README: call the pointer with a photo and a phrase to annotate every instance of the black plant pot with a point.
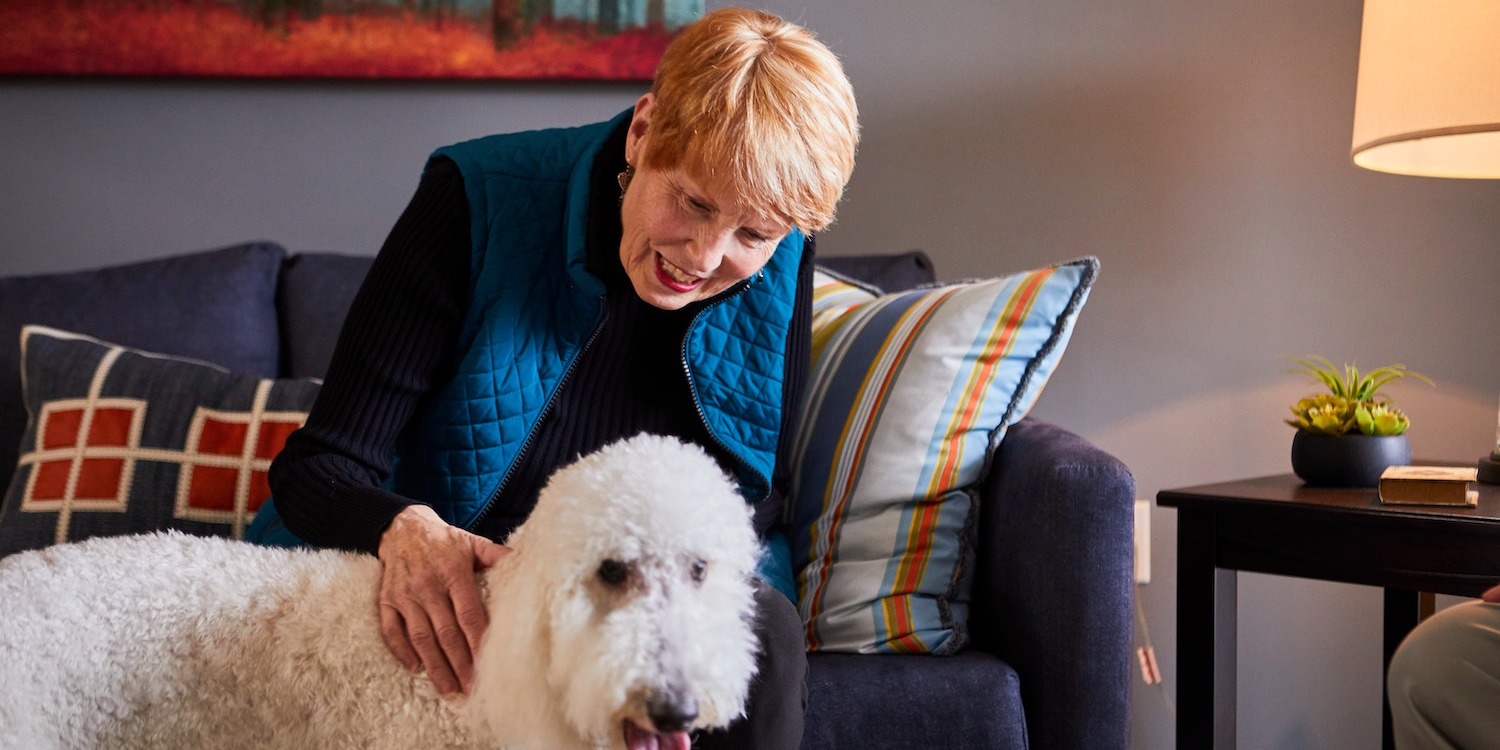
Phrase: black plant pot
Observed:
(1347, 460)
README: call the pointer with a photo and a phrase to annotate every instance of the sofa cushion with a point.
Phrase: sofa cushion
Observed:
(216, 305)
(891, 272)
(894, 702)
(122, 441)
(910, 394)
(315, 294)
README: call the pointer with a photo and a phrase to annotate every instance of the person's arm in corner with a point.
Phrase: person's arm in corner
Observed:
(769, 512)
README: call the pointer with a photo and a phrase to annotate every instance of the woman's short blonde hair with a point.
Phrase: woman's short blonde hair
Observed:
(748, 93)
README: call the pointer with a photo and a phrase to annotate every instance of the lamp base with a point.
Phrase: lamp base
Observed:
(1489, 468)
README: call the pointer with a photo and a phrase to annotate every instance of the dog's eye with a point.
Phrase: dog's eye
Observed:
(699, 570)
(612, 572)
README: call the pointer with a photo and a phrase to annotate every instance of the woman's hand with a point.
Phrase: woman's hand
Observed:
(431, 613)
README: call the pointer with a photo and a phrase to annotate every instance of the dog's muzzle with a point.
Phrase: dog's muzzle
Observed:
(637, 738)
(671, 713)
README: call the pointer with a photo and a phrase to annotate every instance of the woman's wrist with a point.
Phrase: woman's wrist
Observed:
(411, 520)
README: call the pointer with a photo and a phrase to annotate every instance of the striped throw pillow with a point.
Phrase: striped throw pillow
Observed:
(909, 396)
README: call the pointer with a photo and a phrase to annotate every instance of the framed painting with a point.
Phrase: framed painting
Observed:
(350, 39)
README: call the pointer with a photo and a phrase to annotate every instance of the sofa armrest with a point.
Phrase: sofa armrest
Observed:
(1054, 580)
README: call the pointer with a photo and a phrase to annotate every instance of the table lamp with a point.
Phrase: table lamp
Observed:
(1428, 100)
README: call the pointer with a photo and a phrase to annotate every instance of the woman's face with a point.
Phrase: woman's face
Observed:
(686, 237)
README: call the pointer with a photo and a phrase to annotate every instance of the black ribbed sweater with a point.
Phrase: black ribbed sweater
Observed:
(398, 345)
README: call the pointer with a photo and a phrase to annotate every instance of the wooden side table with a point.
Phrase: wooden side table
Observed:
(1280, 526)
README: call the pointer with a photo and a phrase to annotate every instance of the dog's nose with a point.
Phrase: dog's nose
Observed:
(671, 713)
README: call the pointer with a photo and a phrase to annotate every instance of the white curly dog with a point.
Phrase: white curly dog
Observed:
(622, 620)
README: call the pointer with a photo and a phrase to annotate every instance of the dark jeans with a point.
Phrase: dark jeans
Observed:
(778, 694)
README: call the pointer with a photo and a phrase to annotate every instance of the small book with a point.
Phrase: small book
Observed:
(1428, 485)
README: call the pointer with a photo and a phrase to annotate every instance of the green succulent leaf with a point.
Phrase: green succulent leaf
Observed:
(1323, 413)
(1380, 419)
(1352, 401)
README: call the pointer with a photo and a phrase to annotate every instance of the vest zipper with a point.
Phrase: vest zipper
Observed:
(531, 436)
(693, 391)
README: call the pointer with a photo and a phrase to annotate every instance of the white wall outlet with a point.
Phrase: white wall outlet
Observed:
(1142, 540)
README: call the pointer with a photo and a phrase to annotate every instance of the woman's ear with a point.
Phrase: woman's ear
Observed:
(640, 123)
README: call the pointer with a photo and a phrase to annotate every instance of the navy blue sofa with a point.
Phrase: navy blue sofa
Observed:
(1050, 615)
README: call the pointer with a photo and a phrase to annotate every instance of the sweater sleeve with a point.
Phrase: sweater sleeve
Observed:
(769, 512)
(396, 346)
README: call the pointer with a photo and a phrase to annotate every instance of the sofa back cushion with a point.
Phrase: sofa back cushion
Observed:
(218, 306)
(892, 272)
(316, 291)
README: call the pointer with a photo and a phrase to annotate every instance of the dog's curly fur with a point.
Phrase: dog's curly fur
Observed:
(627, 597)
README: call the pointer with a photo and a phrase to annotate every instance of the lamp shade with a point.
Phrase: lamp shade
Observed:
(1428, 99)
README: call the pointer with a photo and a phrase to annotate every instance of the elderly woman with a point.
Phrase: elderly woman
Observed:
(547, 293)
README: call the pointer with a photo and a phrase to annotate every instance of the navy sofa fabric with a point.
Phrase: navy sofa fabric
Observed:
(315, 293)
(217, 306)
(1051, 606)
(969, 700)
(894, 272)
(1054, 583)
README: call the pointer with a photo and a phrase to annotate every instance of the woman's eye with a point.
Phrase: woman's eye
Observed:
(693, 205)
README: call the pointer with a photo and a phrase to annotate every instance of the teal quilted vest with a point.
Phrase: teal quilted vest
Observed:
(533, 309)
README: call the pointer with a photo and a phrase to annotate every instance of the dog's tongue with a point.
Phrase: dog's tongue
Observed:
(637, 738)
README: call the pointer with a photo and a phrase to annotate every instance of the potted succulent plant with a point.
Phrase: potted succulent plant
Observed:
(1348, 436)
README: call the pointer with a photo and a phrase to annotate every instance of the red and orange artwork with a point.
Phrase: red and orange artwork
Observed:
(385, 39)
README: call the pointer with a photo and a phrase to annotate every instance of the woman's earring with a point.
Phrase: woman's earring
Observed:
(624, 179)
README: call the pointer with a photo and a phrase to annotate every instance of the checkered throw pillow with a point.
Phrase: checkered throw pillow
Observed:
(121, 441)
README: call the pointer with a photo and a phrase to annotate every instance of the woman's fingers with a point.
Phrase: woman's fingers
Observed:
(1492, 596)
(487, 552)
(468, 604)
(407, 614)
(470, 620)
(393, 632)
(440, 644)
(430, 608)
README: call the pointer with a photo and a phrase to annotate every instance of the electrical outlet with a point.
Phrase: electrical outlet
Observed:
(1142, 540)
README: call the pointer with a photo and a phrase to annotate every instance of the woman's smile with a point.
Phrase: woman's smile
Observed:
(674, 277)
(686, 240)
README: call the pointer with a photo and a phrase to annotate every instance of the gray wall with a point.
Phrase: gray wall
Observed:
(1200, 149)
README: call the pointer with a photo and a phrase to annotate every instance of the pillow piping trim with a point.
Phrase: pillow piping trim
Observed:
(1066, 319)
(863, 286)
